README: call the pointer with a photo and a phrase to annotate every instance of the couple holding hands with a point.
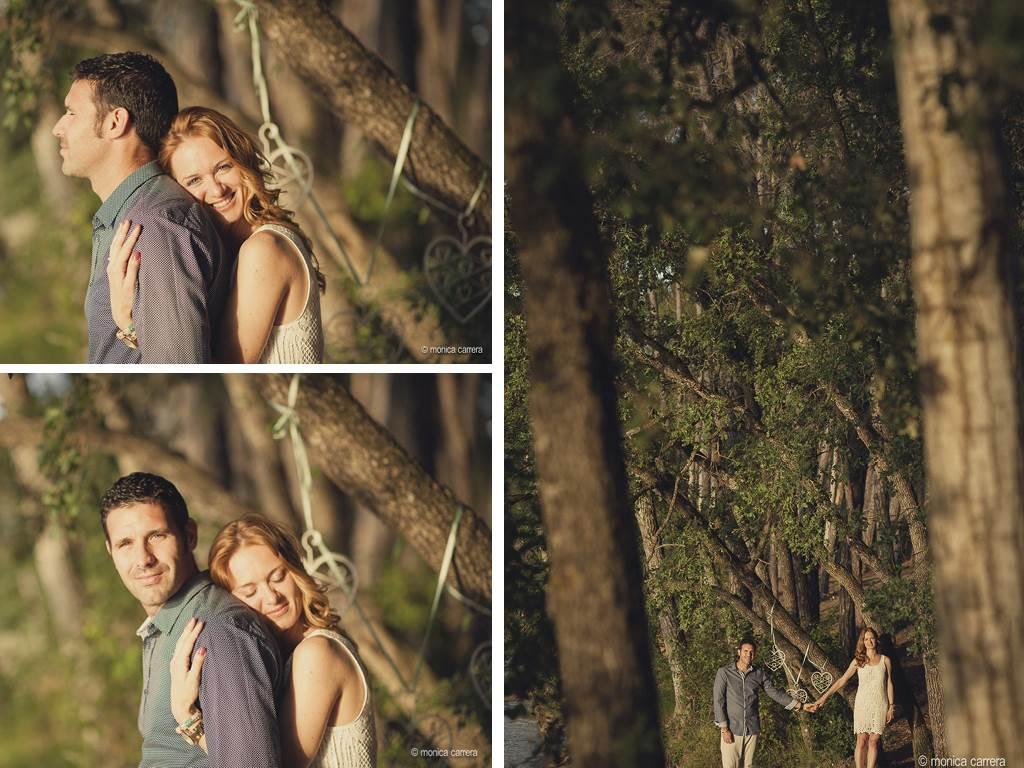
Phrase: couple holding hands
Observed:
(736, 698)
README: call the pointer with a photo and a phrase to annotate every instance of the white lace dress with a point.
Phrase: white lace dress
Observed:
(872, 702)
(301, 340)
(353, 745)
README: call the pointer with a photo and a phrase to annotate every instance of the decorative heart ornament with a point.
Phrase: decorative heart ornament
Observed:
(821, 681)
(459, 273)
(798, 693)
(480, 672)
(775, 660)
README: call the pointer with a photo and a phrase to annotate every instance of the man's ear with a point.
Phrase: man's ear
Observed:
(117, 123)
(191, 534)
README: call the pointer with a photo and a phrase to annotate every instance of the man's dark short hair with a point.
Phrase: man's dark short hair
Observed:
(144, 488)
(137, 82)
(746, 641)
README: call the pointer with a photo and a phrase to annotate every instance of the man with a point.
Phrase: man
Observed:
(736, 698)
(151, 538)
(118, 109)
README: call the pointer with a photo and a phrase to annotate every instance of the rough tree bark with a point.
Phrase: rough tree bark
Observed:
(360, 88)
(603, 649)
(968, 353)
(808, 594)
(786, 582)
(365, 462)
(670, 636)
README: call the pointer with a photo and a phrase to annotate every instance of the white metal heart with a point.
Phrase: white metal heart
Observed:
(821, 681)
(775, 660)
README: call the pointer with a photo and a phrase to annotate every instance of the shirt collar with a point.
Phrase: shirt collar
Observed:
(112, 206)
(146, 628)
(168, 614)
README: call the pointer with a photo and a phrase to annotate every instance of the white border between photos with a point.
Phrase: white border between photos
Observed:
(498, 383)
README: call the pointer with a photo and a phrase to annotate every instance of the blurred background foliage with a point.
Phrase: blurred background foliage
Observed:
(70, 664)
(440, 49)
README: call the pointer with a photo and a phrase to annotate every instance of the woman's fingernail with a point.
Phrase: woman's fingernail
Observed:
(202, 652)
(138, 256)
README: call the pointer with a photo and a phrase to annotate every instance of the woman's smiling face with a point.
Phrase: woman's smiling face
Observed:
(260, 578)
(210, 175)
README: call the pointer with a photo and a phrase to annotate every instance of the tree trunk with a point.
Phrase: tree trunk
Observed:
(440, 23)
(263, 466)
(365, 462)
(359, 87)
(363, 19)
(371, 539)
(189, 423)
(456, 395)
(670, 637)
(968, 353)
(786, 583)
(807, 595)
(603, 647)
(189, 28)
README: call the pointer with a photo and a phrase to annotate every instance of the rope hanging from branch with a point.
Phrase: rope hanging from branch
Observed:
(339, 573)
(298, 163)
(778, 659)
(458, 271)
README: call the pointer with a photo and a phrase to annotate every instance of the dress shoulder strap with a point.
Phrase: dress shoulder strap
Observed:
(349, 647)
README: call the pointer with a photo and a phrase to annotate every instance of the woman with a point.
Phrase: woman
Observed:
(273, 310)
(873, 707)
(326, 719)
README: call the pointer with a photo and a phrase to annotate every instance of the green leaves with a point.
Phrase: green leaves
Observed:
(61, 460)
(20, 50)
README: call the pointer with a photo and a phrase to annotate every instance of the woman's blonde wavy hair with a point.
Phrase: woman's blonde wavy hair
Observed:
(254, 529)
(860, 652)
(259, 199)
